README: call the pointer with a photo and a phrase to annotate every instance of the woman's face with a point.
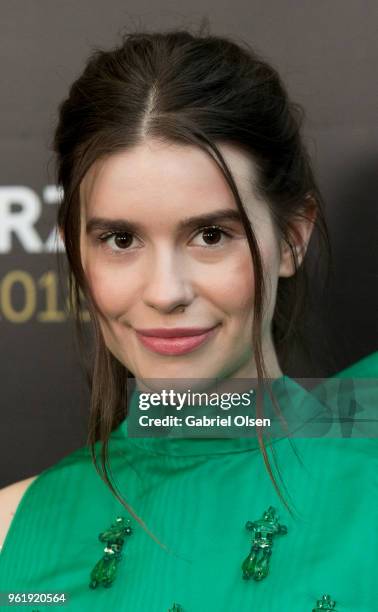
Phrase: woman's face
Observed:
(153, 261)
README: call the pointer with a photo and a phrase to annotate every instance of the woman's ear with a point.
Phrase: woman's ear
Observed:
(300, 233)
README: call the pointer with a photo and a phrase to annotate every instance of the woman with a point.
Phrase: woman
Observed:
(189, 203)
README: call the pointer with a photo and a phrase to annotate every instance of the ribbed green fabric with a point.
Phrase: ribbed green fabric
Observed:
(196, 496)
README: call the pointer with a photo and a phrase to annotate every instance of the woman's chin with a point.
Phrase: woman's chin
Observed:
(176, 378)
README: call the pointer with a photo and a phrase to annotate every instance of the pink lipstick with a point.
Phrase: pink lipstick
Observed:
(174, 341)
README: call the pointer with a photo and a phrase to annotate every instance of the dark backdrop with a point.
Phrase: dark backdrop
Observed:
(326, 52)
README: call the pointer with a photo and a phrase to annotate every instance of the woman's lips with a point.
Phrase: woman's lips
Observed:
(175, 345)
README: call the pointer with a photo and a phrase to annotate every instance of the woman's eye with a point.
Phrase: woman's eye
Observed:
(212, 235)
(121, 241)
(117, 241)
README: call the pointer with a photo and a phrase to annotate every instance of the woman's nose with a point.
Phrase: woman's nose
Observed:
(168, 284)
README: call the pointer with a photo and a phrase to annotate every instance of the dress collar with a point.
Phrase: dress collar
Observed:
(289, 395)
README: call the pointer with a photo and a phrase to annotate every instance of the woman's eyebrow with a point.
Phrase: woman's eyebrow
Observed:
(122, 225)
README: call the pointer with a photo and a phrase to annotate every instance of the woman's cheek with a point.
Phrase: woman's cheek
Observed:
(236, 285)
(110, 289)
(236, 282)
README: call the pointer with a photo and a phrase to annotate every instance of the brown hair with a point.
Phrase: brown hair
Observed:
(198, 89)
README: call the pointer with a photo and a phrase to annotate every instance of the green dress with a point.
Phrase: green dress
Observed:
(197, 496)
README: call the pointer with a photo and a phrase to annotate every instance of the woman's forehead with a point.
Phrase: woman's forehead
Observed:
(180, 176)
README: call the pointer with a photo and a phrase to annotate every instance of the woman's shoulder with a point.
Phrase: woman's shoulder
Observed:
(366, 367)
